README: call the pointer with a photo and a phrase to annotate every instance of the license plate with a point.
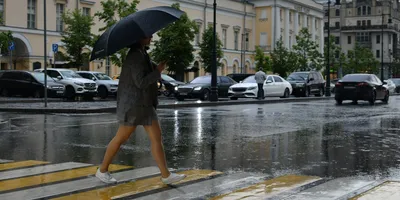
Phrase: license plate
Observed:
(349, 87)
(60, 92)
(183, 93)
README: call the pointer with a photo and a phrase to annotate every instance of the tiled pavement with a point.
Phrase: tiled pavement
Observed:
(31, 179)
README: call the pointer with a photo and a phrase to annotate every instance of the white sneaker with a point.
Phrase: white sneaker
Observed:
(173, 178)
(105, 177)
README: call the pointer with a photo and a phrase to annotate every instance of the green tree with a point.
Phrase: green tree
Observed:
(206, 49)
(5, 38)
(76, 36)
(174, 45)
(334, 54)
(307, 50)
(112, 12)
(264, 62)
(283, 60)
(361, 60)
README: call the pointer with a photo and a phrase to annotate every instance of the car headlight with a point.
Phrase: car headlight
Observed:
(113, 85)
(176, 88)
(251, 88)
(299, 84)
(197, 88)
(77, 83)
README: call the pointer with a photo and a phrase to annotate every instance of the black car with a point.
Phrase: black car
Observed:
(24, 83)
(200, 88)
(307, 83)
(238, 77)
(367, 87)
(169, 84)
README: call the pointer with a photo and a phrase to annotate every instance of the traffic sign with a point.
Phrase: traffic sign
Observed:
(11, 46)
(55, 48)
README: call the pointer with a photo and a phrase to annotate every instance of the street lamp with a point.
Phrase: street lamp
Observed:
(214, 88)
(328, 69)
(45, 52)
(389, 22)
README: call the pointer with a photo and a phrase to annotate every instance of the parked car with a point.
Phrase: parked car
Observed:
(24, 83)
(169, 84)
(74, 83)
(105, 85)
(391, 86)
(307, 83)
(366, 87)
(396, 81)
(238, 77)
(274, 86)
(200, 87)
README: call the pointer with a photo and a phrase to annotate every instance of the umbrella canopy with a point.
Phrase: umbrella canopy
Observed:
(132, 28)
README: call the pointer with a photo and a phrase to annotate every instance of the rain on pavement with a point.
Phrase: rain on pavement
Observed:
(316, 138)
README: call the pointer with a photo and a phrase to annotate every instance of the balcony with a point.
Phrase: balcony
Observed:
(369, 27)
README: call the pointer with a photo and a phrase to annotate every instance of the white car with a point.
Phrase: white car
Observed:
(391, 86)
(274, 86)
(74, 83)
(105, 85)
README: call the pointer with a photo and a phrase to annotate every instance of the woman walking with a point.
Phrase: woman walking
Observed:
(136, 105)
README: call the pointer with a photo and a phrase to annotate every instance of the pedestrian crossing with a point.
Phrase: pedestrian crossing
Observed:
(34, 179)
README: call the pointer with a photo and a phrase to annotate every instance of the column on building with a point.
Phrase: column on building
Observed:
(313, 28)
(287, 27)
(278, 24)
(296, 24)
(321, 35)
(304, 20)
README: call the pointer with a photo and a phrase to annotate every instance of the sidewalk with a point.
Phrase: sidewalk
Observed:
(109, 106)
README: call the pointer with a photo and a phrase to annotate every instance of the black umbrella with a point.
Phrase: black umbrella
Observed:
(132, 28)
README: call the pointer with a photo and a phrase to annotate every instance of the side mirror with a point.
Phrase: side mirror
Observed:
(59, 77)
(311, 79)
(269, 81)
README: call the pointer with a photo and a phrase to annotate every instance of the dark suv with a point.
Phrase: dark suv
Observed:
(306, 83)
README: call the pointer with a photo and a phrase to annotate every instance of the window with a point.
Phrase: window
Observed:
(363, 23)
(236, 35)
(2, 11)
(86, 11)
(326, 13)
(263, 39)
(337, 54)
(337, 24)
(378, 53)
(31, 14)
(197, 38)
(224, 38)
(225, 79)
(263, 14)
(359, 11)
(358, 23)
(369, 10)
(59, 12)
(277, 79)
(247, 41)
(349, 39)
(281, 14)
(53, 73)
(326, 25)
(378, 39)
(337, 40)
(270, 79)
(364, 10)
(337, 12)
(290, 17)
(369, 22)
(363, 37)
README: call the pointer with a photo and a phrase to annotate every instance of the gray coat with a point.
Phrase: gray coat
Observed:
(137, 90)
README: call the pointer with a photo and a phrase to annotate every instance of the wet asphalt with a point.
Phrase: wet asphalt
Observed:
(312, 138)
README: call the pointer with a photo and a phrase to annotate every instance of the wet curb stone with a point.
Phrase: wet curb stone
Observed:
(163, 106)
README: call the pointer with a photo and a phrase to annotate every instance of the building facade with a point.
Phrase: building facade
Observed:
(371, 24)
(241, 25)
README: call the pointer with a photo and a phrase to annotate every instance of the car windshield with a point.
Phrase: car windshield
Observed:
(250, 79)
(40, 77)
(297, 77)
(70, 74)
(167, 78)
(395, 81)
(357, 77)
(101, 76)
(202, 79)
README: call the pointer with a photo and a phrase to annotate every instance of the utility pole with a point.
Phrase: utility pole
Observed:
(214, 87)
(45, 52)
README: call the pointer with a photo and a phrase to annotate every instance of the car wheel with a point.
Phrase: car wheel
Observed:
(286, 94)
(180, 98)
(339, 101)
(5, 93)
(103, 93)
(70, 93)
(206, 95)
(372, 98)
(234, 98)
(386, 99)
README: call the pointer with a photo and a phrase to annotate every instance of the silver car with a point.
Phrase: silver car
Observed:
(106, 85)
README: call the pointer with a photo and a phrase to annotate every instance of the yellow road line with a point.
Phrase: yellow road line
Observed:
(387, 190)
(53, 177)
(269, 187)
(135, 187)
(26, 163)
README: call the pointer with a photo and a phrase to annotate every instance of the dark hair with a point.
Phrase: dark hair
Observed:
(135, 45)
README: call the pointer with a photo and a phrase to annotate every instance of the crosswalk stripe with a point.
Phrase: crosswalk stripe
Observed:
(65, 188)
(269, 188)
(27, 163)
(136, 187)
(4, 161)
(18, 173)
(206, 188)
(38, 180)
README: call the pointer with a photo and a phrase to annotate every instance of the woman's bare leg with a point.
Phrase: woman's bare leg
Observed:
(157, 149)
(123, 134)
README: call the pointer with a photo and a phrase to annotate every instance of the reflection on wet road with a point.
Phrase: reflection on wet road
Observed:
(316, 138)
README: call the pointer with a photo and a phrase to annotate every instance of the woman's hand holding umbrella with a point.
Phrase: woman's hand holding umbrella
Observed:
(161, 66)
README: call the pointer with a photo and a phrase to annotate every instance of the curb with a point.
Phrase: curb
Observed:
(165, 106)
